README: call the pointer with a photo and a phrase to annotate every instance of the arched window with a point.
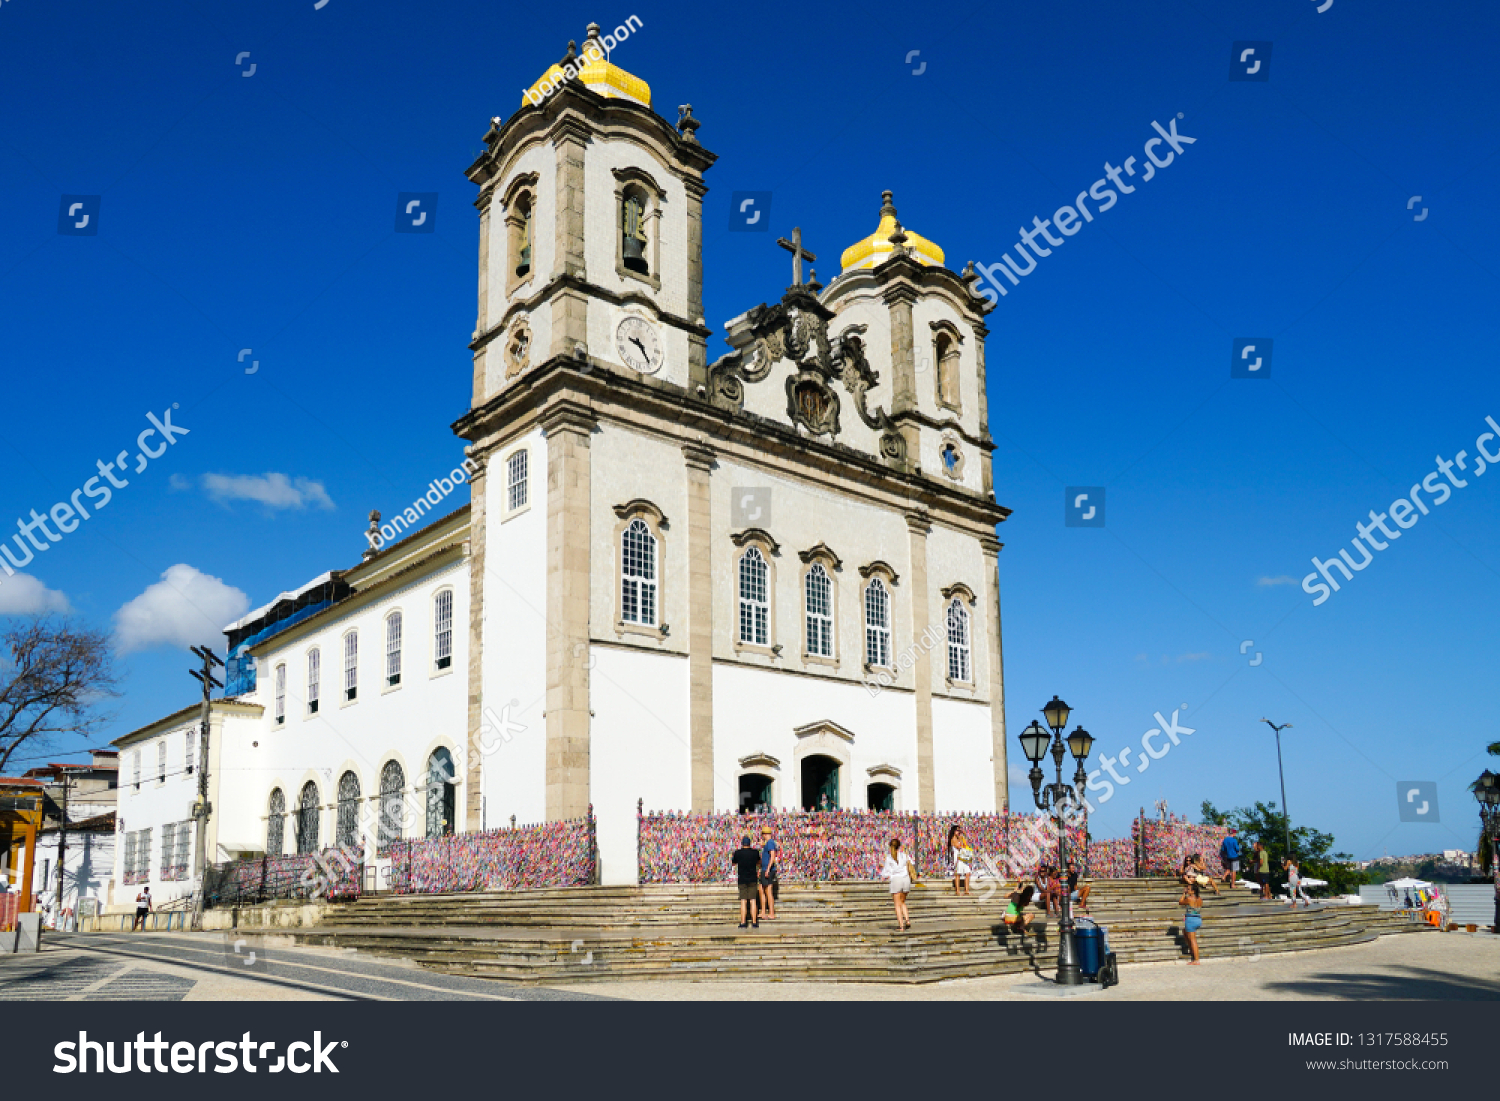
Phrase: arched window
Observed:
(441, 786)
(348, 826)
(392, 783)
(638, 574)
(276, 823)
(314, 679)
(523, 236)
(959, 668)
(819, 606)
(307, 819)
(633, 240)
(280, 694)
(755, 607)
(351, 665)
(877, 624)
(393, 649)
(945, 348)
(442, 629)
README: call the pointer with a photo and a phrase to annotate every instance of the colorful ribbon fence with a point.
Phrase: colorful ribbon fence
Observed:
(550, 854)
(814, 846)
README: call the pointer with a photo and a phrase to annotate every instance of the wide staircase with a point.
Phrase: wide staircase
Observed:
(840, 932)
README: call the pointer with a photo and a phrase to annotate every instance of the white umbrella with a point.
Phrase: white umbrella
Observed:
(1404, 883)
(1315, 883)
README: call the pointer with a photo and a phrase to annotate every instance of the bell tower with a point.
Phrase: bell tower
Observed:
(591, 231)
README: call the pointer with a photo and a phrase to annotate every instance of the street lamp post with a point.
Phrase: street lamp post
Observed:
(1056, 797)
(1487, 792)
(1286, 814)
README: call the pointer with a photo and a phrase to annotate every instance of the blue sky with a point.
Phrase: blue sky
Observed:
(256, 212)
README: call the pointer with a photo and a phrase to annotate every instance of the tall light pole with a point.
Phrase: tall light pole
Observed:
(1286, 814)
(201, 808)
(1056, 797)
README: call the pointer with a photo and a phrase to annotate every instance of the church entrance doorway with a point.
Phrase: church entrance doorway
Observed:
(755, 792)
(820, 783)
(882, 797)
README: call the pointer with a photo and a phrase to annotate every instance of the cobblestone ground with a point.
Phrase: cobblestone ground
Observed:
(211, 967)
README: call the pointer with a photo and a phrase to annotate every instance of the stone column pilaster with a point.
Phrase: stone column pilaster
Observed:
(987, 471)
(899, 299)
(700, 460)
(568, 428)
(482, 314)
(570, 307)
(991, 547)
(919, 526)
(478, 533)
(697, 345)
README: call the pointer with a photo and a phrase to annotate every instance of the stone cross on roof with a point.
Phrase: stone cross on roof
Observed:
(798, 254)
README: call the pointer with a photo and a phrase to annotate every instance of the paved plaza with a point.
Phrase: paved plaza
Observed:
(207, 967)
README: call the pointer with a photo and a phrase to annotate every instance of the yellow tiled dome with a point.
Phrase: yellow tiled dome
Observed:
(876, 249)
(598, 74)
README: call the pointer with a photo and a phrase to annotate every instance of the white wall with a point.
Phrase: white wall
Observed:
(90, 868)
(963, 748)
(639, 747)
(515, 639)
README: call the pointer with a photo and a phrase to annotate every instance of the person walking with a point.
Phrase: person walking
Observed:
(899, 871)
(962, 857)
(1294, 883)
(1192, 921)
(769, 870)
(1229, 856)
(142, 908)
(1263, 871)
(746, 862)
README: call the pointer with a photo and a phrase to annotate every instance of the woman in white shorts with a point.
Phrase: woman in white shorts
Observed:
(962, 857)
(898, 870)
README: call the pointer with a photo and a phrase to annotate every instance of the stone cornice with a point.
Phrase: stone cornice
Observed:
(990, 545)
(821, 553)
(569, 416)
(918, 522)
(880, 568)
(570, 281)
(758, 537)
(753, 440)
(699, 455)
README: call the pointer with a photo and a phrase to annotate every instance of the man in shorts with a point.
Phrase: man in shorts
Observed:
(770, 867)
(1229, 856)
(142, 908)
(746, 861)
(1263, 871)
(1078, 888)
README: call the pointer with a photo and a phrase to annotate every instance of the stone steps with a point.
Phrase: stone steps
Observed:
(827, 932)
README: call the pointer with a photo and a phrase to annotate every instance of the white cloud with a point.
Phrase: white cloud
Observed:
(275, 491)
(185, 608)
(1204, 656)
(1282, 580)
(177, 482)
(25, 595)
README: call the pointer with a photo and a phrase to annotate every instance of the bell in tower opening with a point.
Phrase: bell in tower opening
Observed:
(523, 267)
(633, 247)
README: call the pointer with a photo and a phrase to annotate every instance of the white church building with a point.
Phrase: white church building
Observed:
(765, 579)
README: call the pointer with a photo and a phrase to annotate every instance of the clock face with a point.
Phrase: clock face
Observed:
(638, 345)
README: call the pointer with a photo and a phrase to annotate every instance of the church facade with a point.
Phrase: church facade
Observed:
(768, 578)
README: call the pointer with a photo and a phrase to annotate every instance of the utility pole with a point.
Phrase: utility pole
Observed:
(62, 850)
(201, 808)
(1286, 814)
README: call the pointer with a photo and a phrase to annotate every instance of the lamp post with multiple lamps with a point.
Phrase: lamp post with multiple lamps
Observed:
(1487, 791)
(1056, 797)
